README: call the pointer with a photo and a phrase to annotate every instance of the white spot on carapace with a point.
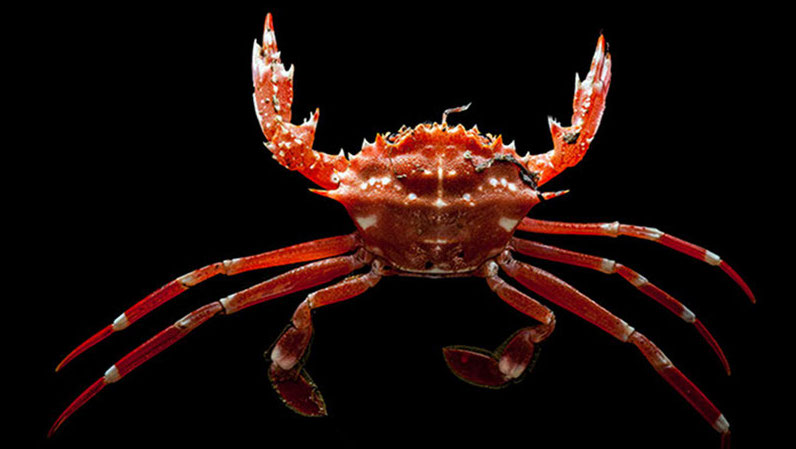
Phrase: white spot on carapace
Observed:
(507, 223)
(436, 241)
(436, 270)
(440, 203)
(503, 182)
(493, 182)
(467, 197)
(452, 173)
(372, 181)
(385, 180)
(512, 187)
(412, 196)
(363, 186)
(367, 221)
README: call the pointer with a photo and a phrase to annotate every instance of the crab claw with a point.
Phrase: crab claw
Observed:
(570, 143)
(290, 144)
(496, 369)
(297, 390)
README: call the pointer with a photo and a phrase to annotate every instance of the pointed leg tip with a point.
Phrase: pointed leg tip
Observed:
(56, 425)
(66, 361)
(724, 266)
(705, 333)
(88, 344)
(725, 364)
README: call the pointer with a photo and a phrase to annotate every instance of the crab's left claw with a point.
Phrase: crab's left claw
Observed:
(297, 390)
(273, 96)
(571, 142)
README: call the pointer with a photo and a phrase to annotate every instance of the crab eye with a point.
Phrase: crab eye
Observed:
(335, 178)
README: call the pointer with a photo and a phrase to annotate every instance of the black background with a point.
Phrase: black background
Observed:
(153, 164)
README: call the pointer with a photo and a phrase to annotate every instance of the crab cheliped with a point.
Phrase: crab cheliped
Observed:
(437, 201)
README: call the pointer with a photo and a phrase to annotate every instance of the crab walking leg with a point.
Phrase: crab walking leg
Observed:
(616, 229)
(146, 351)
(516, 355)
(294, 280)
(570, 143)
(303, 252)
(559, 292)
(608, 266)
(290, 144)
(286, 372)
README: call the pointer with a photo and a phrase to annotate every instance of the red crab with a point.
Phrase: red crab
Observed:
(431, 201)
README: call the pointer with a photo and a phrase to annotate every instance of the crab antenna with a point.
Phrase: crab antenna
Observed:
(452, 110)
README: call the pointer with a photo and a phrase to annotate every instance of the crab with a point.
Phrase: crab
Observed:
(435, 201)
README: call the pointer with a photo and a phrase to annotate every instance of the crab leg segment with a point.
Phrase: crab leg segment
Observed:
(607, 266)
(273, 98)
(146, 351)
(566, 296)
(495, 369)
(286, 373)
(571, 142)
(300, 278)
(304, 252)
(615, 229)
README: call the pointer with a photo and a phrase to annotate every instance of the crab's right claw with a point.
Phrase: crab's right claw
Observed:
(571, 142)
(483, 368)
(290, 144)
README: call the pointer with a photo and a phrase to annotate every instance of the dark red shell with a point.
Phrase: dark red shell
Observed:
(434, 199)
